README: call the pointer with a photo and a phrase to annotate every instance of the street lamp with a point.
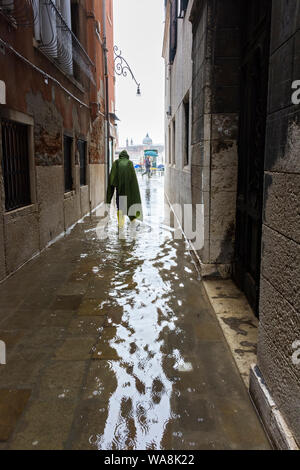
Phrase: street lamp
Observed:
(122, 67)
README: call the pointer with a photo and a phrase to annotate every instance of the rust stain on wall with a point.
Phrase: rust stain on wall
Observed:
(47, 130)
(97, 149)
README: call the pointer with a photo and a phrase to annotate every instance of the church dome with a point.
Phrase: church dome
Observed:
(147, 140)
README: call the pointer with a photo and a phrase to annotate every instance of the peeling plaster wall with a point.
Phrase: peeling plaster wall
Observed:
(21, 237)
(280, 298)
(72, 210)
(25, 232)
(48, 126)
(84, 200)
(97, 141)
(50, 202)
(97, 184)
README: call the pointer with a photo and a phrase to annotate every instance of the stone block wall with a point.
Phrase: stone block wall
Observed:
(280, 291)
(216, 59)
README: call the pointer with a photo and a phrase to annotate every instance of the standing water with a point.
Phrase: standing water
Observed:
(112, 344)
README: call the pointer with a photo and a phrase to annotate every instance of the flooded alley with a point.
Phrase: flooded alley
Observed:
(112, 344)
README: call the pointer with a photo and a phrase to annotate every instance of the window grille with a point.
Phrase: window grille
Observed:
(15, 164)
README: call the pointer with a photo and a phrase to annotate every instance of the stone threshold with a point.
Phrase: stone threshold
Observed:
(240, 328)
(237, 321)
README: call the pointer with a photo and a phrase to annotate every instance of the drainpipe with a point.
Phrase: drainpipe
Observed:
(107, 133)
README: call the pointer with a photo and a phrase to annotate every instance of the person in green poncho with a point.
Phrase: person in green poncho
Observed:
(123, 179)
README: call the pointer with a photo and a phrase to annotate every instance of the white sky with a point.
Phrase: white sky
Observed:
(139, 26)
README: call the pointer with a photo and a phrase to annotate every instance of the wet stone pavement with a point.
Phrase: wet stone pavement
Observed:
(111, 344)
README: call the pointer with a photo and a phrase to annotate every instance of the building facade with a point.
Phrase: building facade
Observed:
(242, 62)
(136, 151)
(52, 118)
(177, 51)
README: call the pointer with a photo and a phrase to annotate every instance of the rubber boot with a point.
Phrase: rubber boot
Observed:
(121, 219)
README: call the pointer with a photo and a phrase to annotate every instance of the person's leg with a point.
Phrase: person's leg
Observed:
(117, 199)
(121, 218)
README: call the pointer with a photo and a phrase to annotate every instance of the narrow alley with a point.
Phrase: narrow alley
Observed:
(112, 344)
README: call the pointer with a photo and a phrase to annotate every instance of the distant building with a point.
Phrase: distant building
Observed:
(136, 152)
(147, 140)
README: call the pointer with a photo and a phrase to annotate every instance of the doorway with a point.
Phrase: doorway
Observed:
(256, 28)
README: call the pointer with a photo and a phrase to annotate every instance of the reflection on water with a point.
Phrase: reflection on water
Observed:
(144, 285)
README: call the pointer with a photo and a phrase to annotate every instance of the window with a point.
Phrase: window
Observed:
(76, 31)
(15, 164)
(173, 142)
(182, 7)
(52, 30)
(186, 130)
(81, 145)
(68, 144)
(173, 30)
(75, 18)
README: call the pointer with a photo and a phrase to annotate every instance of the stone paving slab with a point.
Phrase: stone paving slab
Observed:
(12, 404)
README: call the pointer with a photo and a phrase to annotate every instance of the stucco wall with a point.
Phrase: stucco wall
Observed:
(21, 229)
(51, 113)
(2, 253)
(97, 184)
(50, 197)
(84, 200)
(280, 300)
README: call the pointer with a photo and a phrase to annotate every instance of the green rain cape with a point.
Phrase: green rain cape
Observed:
(123, 178)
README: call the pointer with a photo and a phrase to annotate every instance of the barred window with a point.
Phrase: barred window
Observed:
(173, 30)
(182, 7)
(15, 164)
